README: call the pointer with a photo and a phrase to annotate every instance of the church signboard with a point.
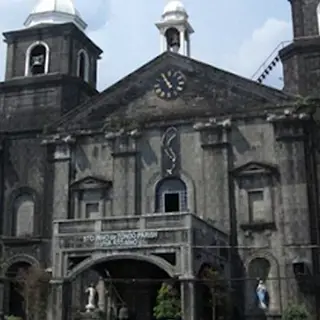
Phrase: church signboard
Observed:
(119, 239)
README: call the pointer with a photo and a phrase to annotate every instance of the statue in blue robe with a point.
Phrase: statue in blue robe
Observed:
(262, 295)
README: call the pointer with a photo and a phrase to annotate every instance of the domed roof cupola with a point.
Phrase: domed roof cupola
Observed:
(55, 12)
(175, 29)
(174, 10)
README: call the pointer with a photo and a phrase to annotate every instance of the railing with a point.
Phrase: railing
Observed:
(121, 223)
(144, 231)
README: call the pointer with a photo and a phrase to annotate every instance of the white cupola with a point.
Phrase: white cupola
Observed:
(55, 12)
(175, 29)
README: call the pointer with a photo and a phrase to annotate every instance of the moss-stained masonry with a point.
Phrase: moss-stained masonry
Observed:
(235, 160)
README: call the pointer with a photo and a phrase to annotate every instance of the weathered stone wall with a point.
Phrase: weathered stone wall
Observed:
(205, 162)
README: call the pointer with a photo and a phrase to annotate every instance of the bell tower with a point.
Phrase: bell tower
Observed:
(51, 62)
(301, 58)
(175, 29)
(53, 41)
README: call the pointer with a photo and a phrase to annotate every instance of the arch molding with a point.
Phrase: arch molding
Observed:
(99, 258)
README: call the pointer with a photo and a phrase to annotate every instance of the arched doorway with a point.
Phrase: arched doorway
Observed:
(15, 300)
(129, 282)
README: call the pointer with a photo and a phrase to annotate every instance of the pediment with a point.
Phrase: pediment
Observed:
(208, 92)
(254, 168)
(90, 182)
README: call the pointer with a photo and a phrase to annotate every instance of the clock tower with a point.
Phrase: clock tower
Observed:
(175, 29)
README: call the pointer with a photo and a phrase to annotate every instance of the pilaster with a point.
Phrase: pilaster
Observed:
(61, 160)
(214, 137)
(289, 129)
(4, 219)
(188, 306)
(60, 300)
(124, 152)
(2, 300)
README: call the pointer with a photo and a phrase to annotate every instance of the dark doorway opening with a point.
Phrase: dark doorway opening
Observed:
(130, 283)
(16, 301)
(172, 202)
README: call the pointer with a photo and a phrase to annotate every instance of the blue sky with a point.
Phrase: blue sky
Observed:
(235, 35)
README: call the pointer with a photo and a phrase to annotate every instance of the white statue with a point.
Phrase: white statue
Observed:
(262, 294)
(91, 298)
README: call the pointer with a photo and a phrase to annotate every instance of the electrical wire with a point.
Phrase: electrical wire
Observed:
(191, 279)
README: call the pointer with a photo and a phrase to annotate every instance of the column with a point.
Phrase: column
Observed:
(163, 42)
(1, 300)
(188, 47)
(182, 48)
(125, 173)
(215, 163)
(290, 153)
(188, 306)
(61, 169)
(59, 300)
(101, 290)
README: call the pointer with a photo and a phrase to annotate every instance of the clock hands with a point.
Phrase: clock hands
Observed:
(169, 84)
(165, 79)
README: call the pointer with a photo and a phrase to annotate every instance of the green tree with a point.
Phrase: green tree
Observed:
(168, 305)
(295, 312)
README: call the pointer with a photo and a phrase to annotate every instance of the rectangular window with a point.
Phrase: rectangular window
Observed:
(171, 202)
(256, 206)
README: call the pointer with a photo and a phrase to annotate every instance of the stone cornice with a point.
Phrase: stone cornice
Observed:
(212, 124)
(135, 134)
(288, 116)
(58, 139)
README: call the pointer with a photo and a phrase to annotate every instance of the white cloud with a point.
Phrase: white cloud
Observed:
(125, 31)
(254, 51)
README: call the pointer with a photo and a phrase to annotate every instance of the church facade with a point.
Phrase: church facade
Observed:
(177, 169)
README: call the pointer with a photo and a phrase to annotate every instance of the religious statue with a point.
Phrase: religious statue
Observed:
(262, 295)
(123, 313)
(91, 298)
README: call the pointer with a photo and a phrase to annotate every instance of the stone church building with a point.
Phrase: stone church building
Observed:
(176, 168)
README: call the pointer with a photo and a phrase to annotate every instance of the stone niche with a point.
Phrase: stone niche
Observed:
(256, 195)
(90, 198)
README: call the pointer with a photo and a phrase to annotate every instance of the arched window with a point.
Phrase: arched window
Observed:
(24, 209)
(37, 59)
(173, 39)
(83, 65)
(171, 196)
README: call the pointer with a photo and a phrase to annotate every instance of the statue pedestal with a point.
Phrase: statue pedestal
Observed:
(92, 315)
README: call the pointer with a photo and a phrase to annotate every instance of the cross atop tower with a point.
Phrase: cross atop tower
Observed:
(55, 12)
(175, 29)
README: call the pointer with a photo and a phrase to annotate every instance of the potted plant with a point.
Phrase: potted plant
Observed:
(295, 312)
(168, 305)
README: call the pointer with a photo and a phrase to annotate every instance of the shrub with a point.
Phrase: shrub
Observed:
(168, 304)
(295, 312)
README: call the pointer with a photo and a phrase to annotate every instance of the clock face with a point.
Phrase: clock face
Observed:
(169, 84)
